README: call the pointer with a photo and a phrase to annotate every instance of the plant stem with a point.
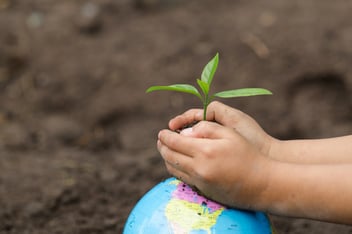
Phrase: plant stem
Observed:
(205, 112)
(205, 107)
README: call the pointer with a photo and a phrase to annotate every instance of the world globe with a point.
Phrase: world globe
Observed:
(173, 207)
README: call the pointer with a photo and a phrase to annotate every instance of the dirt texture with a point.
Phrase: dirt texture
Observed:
(78, 133)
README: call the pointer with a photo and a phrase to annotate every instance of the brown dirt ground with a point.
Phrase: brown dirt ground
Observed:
(77, 132)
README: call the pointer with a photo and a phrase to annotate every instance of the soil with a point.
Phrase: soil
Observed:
(77, 131)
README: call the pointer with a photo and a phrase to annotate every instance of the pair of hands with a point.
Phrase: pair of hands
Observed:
(226, 157)
(231, 159)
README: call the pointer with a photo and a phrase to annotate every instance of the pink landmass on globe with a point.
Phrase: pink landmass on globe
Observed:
(185, 192)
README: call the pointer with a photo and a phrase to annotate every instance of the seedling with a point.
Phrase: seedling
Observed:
(205, 83)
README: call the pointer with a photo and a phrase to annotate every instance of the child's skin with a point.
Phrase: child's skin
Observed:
(235, 162)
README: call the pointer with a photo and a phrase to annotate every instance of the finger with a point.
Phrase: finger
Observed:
(208, 130)
(174, 159)
(202, 135)
(176, 164)
(178, 173)
(186, 118)
(186, 146)
(223, 114)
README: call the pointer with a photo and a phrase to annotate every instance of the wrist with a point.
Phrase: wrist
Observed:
(260, 181)
(272, 196)
(274, 149)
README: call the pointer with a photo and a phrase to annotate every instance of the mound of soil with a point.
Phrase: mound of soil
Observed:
(78, 133)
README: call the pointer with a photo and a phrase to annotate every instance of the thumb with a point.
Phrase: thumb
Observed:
(206, 129)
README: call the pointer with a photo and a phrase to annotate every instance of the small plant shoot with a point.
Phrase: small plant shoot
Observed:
(204, 84)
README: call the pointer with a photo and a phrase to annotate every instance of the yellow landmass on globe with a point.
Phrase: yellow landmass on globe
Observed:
(186, 216)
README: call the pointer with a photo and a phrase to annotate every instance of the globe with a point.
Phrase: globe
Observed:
(173, 207)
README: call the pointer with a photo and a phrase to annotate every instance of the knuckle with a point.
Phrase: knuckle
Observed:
(202, 124)
(207, 152)
(171, 142)
(214, 103)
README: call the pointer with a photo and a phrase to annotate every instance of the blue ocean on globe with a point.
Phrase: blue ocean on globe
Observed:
(172, 207)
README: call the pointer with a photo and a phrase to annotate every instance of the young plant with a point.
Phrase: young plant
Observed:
(205, 83)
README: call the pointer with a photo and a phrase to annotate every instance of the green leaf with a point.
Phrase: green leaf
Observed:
(184, 88)
(204, 86)
(242, 92)
(210, 69)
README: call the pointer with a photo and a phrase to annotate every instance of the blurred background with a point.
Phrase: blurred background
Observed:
(78, 132)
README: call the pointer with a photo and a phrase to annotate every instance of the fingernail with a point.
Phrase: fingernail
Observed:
(187, 132)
